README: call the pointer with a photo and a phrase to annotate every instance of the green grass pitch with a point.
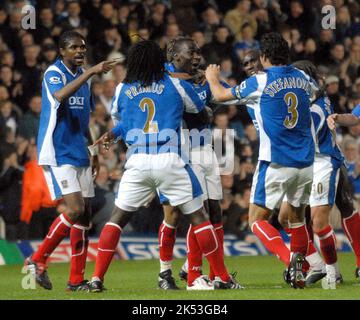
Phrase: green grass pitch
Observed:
(128, 280)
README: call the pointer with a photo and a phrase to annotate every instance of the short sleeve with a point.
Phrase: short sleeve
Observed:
(54, 81)
(115, 105)
(356, 111)
(247, 88)
(118, 131)
(192, 101)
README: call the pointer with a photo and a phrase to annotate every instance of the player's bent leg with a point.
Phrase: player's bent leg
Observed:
(314, 267)
(350, 217)
(79, 240)
(209, 246)
(108, 242)
(59, 229)
(299, 235)
(215, 214)
(212, 207)
(320, 217)
(268, 235)
(299, 243)
(167, 237)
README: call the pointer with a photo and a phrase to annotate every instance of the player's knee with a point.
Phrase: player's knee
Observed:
(120, 217)
(171, 217)
(257, 215)
(197, 217)
(84, 219)
(283, 221)
(346, 207)
(319, 223)
(215, 212)
(78, 209)
(320, 217)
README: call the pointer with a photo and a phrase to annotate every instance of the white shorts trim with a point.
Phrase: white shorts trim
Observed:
(206, 167)
(67, 179)
(272, 182)
(167, 172)
(325, 181)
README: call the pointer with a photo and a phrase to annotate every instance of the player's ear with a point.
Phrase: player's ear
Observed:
(62, 51)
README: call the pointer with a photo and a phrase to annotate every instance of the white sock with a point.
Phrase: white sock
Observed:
(315, 261)
(165, 265)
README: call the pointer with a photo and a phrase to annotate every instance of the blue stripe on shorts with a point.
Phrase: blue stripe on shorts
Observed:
(260, 192)
(57, 189)
(196, 187)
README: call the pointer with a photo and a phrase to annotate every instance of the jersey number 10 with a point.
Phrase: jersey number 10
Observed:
(150, 125)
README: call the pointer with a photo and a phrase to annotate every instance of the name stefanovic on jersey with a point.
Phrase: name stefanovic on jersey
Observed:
(281, 84)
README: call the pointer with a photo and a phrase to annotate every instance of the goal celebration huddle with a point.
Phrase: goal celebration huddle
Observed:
(300, 167)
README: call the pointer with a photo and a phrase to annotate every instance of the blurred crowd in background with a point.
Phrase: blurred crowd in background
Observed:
(224, 31)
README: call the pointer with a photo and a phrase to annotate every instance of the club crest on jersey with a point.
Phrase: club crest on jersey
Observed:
(55, 80)
(65, 184)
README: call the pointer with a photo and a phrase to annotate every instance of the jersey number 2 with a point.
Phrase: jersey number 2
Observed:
(291, 101)
(150, 125)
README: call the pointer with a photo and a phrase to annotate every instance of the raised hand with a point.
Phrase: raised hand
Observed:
(331, 121)
(104, 66)
(105, 140)
(212, 72)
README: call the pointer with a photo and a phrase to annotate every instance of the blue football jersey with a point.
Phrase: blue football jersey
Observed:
(149, 118)
(280, 99)
(62, 136)
(356, 111)
(326, 144)
(191, 121)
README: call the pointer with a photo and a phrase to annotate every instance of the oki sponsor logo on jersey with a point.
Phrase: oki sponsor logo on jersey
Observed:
(76, 102)
(202, 95)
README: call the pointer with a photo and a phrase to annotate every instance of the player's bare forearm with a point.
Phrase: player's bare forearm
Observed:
(219, 92)
(72, 86)
(347, 120)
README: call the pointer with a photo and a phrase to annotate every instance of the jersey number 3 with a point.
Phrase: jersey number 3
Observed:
(291, 101)
(150, 125)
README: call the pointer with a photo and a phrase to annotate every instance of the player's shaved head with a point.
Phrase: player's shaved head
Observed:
(145, 63)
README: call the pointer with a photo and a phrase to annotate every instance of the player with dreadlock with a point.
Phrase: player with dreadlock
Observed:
(150, 105)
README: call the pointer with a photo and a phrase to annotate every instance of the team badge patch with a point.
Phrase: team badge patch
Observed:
(64, 184)
(55, 80)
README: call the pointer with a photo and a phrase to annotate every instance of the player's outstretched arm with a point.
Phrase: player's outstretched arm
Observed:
(346, 120)
(73, 86)
(105, 140)
(109, 137)
(219, 93)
